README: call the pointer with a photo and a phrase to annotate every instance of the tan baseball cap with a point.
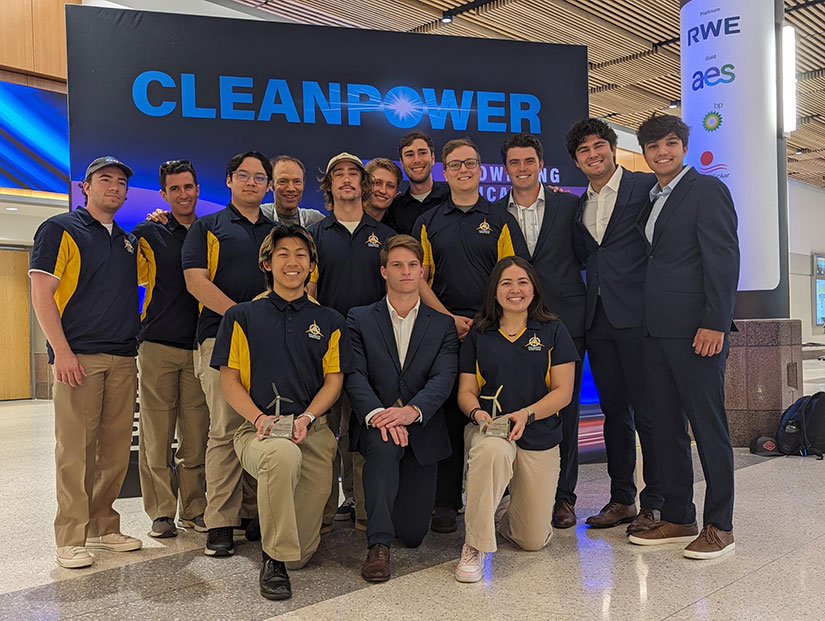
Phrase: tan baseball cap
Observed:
(345, 157)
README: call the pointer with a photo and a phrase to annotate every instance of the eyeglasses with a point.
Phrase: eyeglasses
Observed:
(243, 177)
(173, 164)
(471, 163)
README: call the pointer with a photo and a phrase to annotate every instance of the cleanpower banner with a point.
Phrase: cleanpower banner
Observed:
(729, 102)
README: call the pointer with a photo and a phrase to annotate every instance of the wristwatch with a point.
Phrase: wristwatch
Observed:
(311, 418)
(531, 416)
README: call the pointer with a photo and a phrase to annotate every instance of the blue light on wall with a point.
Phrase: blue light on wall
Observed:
(34, 139)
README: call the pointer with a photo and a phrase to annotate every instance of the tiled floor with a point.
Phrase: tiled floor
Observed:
(775, 573)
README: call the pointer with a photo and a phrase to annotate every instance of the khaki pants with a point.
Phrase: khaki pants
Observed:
(293, 485)
(230, 493)
(93, 433)
(348, 465)
(493, 463)
(170, 397)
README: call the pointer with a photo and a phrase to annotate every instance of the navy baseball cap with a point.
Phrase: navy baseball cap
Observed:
(103, 162)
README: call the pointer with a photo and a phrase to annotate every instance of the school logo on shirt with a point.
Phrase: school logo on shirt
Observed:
(484, 228)
(373, 241)
(128, 245)
(314, 332)
(534, 344)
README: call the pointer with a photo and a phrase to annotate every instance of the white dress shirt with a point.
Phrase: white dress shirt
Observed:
(658, 196)
(402, 328)
(529, 218)
(598, 206)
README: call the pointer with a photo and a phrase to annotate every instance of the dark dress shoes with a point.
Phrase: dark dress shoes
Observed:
(377, 566)
(612, 514)
(563, 515)
(274, 580)
(444, 520)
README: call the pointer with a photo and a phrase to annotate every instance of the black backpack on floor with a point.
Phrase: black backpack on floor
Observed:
(802, 428)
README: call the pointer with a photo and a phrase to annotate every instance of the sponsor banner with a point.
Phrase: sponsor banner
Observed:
(149, 87)
(729, 102)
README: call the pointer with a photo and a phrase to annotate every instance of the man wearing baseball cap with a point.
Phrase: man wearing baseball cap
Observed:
(84, 274)
(348, 274)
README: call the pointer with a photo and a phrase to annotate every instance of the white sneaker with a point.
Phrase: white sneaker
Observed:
(470, 566)
(114, 542)
(73, 557)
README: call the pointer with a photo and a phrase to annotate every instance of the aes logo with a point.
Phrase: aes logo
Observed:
(713, 76)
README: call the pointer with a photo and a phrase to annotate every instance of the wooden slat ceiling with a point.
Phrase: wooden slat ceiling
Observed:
(633, 50)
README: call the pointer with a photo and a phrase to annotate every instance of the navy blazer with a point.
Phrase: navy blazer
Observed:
(377, 380)
(557, 262)
(616, 267)
(693, 262)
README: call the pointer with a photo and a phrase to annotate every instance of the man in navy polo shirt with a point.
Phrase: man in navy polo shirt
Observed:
(463, 239)
(84, 274)
(219, 260)
(170, 395)
(348, 274)
(284, 354)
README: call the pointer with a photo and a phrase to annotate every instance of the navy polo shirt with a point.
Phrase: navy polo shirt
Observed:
(405, 210)
(227, 244)
(97, 294)
(170, 313)
(293, 344)
(523, 369)
(461, 249)
(348, 273)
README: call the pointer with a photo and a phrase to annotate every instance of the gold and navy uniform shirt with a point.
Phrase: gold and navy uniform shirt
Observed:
(461, 249)
(522, 368)
(405, 210)
(97, 294)
(291, 344)
(348, 273)
(227, 244)
(170, 313)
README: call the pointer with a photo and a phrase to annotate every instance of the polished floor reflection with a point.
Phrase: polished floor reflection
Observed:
(776, 571)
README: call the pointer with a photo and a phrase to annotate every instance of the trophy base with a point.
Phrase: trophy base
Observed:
(499, 427)
(284, 427)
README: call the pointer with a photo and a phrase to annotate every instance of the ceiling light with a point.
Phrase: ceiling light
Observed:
(798, 152)
(673, 104)
(446, 17)
(12, 209)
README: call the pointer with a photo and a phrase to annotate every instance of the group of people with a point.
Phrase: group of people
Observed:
(426, 345)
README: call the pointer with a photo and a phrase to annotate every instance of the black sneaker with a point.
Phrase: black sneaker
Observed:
(346, 511)
(219, 542)
(274, 580)
(251, 528)
(163, 528)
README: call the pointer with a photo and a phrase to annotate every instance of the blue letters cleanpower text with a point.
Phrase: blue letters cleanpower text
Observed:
(156, 93)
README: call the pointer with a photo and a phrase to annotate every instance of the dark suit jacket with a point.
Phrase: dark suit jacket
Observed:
(426, 381)
(693, 262)
(556, 262)
(616, 267)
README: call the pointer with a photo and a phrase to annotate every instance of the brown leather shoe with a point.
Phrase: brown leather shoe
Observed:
(377, 566)
(665, 532)
(612, 514)
(646, 519)
(564, 516)
(710, 543)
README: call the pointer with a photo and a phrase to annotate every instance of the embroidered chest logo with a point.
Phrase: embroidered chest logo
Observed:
(373, 241)
(314, 332)
(534, 344)
(128, 245)
(484, 228)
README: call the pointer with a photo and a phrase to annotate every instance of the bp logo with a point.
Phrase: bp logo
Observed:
(712, 121)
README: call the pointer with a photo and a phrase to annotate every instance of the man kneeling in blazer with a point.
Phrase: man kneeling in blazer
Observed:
(405, 364)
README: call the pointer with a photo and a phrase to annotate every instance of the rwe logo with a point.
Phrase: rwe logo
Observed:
(713, 29)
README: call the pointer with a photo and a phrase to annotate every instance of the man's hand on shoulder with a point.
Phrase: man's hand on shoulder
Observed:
(708, 342)
(557, 189)
(159, 215)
